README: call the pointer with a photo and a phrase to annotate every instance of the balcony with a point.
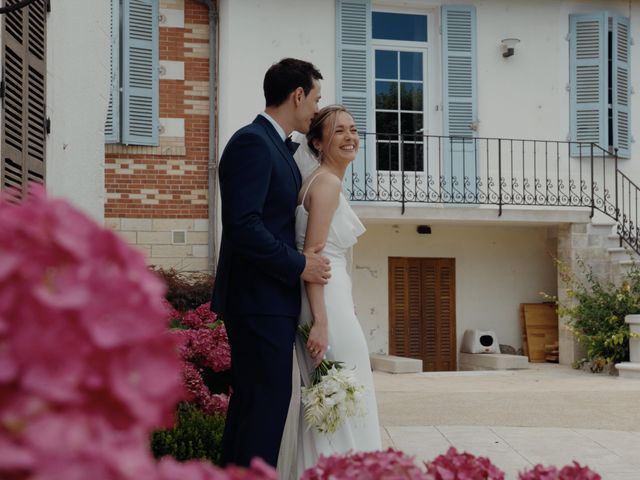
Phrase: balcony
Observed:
(431, 170)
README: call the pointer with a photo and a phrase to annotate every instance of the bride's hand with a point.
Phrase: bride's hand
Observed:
(318, 340)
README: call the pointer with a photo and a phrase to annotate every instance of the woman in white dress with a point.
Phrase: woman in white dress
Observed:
(324, 216)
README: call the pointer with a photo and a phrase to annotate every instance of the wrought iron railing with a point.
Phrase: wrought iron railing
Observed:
(417, 169)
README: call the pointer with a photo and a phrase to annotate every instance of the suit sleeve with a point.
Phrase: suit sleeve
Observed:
(245, 172)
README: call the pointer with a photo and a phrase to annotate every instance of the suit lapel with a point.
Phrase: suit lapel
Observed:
(284, 151)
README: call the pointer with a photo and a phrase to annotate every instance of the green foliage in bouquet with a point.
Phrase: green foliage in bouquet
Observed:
(186, 291)
(195, 436)
(596, 311)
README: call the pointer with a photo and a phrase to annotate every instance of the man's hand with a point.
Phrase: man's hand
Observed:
(317, 268)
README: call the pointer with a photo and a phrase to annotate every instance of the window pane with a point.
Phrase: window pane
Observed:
(413, 157)
(386, 64)
(411, 65)
(411, 96)
(387, 156)
(386, 122)
(411, 124)
(399, 26)
(387, 95)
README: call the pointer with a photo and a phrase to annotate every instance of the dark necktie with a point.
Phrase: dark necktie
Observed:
(291, 145)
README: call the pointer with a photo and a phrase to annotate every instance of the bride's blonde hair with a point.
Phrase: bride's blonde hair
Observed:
(319, 121)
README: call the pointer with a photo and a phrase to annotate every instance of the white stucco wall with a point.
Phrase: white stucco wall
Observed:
(497, 268)
(254, 34)
(78, 44)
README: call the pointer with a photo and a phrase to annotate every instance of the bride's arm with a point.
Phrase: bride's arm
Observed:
(321, 202)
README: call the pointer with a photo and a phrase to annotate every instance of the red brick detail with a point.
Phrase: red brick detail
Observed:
(140, 185)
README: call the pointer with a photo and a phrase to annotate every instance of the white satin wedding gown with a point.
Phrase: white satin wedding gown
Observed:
(302, 446)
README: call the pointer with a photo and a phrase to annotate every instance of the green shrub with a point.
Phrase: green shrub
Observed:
(195, 436)
(186, 291)
(596, 312)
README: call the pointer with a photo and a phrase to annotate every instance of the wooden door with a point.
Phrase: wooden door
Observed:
(422, 321)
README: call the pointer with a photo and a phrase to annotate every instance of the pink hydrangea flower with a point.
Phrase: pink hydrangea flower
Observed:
(574, 471)
(169, 469)
(455, 465)
(199, 394)
(380, 465)
(87, 366)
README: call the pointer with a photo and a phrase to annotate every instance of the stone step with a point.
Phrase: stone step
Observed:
(394, 364)
(492, 361)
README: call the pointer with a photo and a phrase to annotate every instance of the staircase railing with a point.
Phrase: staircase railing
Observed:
(418, 169)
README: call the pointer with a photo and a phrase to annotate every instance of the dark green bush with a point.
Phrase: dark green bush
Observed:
(195, 436)
(186, 291)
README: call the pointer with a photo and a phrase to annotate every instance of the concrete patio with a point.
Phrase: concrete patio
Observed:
(549, 414)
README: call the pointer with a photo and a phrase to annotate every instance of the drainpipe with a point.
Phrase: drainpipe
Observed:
(212, 163)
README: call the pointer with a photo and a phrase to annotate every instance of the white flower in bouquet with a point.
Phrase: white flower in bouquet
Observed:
(334, 394)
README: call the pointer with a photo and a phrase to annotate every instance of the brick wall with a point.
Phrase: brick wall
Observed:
(156, 197)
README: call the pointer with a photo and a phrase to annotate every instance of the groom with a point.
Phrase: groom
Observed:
(257, 284)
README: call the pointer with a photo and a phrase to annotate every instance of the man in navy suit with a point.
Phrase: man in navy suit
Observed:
(257, 284)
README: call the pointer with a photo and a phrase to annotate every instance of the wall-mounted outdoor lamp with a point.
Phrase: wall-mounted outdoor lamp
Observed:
(508, 46)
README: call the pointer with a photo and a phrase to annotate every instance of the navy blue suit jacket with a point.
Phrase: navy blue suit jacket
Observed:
(259, 267)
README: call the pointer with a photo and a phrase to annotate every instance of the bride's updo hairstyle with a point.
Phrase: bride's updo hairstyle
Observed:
(326, 114)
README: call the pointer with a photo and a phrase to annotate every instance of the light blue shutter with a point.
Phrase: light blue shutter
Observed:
(140, 72)
(353, 61)
(621, 86)
(112, 124)
(460, 105)
(588, 79)
(353, 27)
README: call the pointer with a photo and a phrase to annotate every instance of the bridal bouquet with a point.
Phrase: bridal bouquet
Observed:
(333, 396)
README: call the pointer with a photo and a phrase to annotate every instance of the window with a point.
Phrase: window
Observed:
(399, 43)
(133, 112)
(599, 78)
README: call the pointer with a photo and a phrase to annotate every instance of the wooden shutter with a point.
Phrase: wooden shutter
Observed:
(140, 72)
(621, 86)
(588, 80)
(422, 311)
(459, 70)
(24, 127)
(112, 124)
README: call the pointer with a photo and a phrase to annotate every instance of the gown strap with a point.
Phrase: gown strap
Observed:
(306, 190)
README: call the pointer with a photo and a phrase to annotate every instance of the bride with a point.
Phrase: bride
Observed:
(324, 216)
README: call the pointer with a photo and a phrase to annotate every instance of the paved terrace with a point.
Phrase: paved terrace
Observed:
(549, 414)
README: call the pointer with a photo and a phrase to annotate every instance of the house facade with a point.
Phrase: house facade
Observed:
(495, 136)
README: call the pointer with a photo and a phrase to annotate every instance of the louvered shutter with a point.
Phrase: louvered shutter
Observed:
(588, 79)
(460, 104)
(398, 306)
(353, 64)
(445, 319)
(422, 311)
(23, 113)
(112, 124)
(140, 72)
(621, 86)
(459, 69)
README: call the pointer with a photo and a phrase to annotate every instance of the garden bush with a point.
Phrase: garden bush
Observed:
(186, 291)
(195, 436)
(596, 310)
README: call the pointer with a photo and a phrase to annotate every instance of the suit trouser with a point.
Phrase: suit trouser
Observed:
(261, 364)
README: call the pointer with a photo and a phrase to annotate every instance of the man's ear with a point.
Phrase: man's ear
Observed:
(298, 95)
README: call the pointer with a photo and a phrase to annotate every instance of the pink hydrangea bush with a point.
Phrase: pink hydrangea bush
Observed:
(381, 465)
(575, 471)
(87, 366)
(455, 465)
(204, 344)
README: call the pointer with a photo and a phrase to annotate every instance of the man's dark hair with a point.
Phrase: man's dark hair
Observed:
(285, 76)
